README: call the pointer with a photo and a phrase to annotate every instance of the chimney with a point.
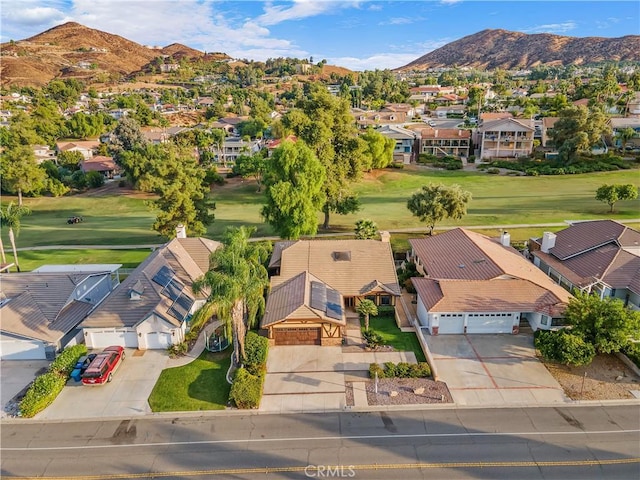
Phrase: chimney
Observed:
(385, 236)
(181, 231)
(505, 239)
(548, 241)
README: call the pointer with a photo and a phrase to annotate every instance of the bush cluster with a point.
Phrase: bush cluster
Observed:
(373, 339)
(564, 347)
(602, 163)
(41, 393)
(64, 363)
(246, 390)
(255, 353)
(447, 162)
(405, 274)
(178, 349)
(400, 370)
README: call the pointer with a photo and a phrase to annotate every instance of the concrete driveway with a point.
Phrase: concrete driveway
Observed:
(493, 370)
(310, 378)
(125, 395)
(15, 375)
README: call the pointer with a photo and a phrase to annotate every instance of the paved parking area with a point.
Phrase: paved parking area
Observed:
(493, 370)
(15, 375)
(125, 395)
(309, 378)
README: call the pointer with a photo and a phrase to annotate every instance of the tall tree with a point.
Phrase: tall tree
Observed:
(624, 136)
(611, 194)
(435, 202)
(10, 217)
(236, 283)
(20, 173)
(251, 166)
(577, 130)
(294, 180)
(127, 137)
(379, 149)
(365, 308)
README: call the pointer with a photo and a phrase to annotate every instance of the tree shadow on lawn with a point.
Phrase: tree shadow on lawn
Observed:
(210, 386)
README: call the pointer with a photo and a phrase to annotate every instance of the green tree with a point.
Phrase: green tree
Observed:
(624, 136)
(251, 166)
(611, 194)
(365, 308)
(20, 173)
(605, 323)
(366, 229)
(577, 130)
(294, 181)
(70, 160)
(435, 202)
(127, 137)
(10, 217)
(236, 283)
(95, 179)
(379, 149)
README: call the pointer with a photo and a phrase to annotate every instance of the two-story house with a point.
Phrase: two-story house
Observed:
(442, 142)
(506, 138)
(406, 142)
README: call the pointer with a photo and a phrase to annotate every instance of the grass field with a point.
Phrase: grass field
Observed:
(32, 259)
(401, 341)
(497, 200)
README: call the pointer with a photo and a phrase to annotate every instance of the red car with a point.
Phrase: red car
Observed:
(102, 367)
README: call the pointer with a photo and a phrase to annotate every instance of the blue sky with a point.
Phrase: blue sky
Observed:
(358, 34)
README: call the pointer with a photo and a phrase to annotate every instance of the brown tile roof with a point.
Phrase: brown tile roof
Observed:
(479, 296)
(445, 133)
(291, 299)
(86, 144)
(549, 122)
(495, 115)
(624, 272)
(583, 236)
(119, 310)
(99, 164)
(369, 260)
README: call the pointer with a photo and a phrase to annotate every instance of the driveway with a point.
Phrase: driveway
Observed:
(125, 395)
(15, 375)
(493, 370)
(310, 378)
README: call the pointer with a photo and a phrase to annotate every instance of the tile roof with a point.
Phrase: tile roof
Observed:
(583, 236)
(99, 164)
(369, 260)
(291, 299)
(480, 296)
(185, 257)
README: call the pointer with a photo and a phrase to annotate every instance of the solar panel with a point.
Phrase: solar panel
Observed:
(334, 305)
(318, 296)
(173, 289)
(164, 276)
(181, 307)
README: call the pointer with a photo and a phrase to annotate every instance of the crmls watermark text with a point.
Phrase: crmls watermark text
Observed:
(330, 471)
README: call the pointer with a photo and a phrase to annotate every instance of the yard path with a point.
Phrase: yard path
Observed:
(319, 235)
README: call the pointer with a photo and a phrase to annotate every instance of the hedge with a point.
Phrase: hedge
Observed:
(64, 363)
(42, 392)
(400, 370)
(564, 347)
(255, 353)
(246, 390)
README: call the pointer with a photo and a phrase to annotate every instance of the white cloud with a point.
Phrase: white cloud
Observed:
(553, 28)
(34, 16)
(375, 7)
(399, 21)
(274, 14)
(450, 2)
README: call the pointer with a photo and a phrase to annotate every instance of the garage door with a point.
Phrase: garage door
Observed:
(158, 340)
(106, 338)
(297, 336)
(451, 323)
(14, 349)
(490, 323)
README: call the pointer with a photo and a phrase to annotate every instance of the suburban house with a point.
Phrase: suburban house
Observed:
(43, 153)
(151, 308)
(315, 282)
(86, 148)
(476, 284)
(598, 257)
(229, 124)
(442, 142)
(376, 118)
(506, 138)
(233, 147)
(41, 310)
(444, 111)
(547, 127)
(101, 164)
(406, 142)
(275, 143)
(618, 124)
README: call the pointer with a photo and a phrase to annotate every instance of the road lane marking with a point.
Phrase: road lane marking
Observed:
(362, 467)
(309, 439)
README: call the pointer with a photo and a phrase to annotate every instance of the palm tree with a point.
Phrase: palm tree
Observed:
(624, 136)
(236, 282)
(366, 307)
(10, 217)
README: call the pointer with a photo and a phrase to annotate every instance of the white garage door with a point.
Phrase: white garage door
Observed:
(451, 323)
(489, 323)
(106, 338)
(14, 349)
(158, 340)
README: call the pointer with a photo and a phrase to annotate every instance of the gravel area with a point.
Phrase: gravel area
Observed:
(607, 379)
(408, 392)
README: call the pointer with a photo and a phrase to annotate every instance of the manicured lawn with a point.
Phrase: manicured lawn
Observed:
(199, 385)
(32, 259)
(386, 326)
(497, 200)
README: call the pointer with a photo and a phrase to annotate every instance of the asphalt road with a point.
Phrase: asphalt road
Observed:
(582, 442)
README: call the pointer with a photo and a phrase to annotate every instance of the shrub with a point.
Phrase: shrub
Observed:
(41, 393)
(94, 179)
(403, 370)
(255, 353)
(493, 171)
(400, 370)
(420, 370)
(64, 363)
(178, 349)
(565, 347)
(372, 338)
(386, 311)
(246, 390)
(376, 368)
(389, 369)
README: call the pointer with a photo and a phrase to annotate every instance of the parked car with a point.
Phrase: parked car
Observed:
(431, 123)
(103, 367)
(81, 365)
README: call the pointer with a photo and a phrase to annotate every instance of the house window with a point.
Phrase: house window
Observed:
(545, 320)
(385, 300)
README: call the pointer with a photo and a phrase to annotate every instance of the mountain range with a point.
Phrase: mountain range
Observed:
(72, 50)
